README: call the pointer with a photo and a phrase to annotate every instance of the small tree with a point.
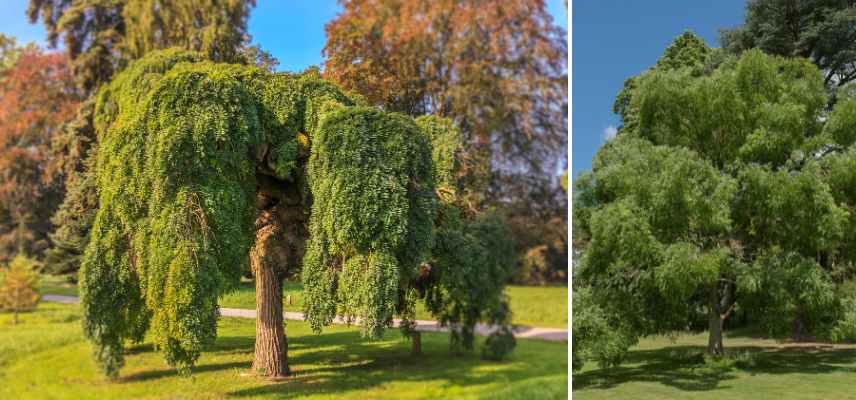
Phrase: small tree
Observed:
(18, 285)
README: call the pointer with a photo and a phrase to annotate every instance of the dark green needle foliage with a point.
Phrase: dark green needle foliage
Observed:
(181, 141)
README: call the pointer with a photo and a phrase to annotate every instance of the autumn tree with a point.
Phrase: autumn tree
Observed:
(498, 69)
(18, 286)
(36, 95)
(203, 167)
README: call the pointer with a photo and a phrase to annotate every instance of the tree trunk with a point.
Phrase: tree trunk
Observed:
(416, 341)
(276, 254)
(714, 341)
(271, 350)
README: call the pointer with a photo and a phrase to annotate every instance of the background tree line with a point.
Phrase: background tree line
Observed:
(452, 59)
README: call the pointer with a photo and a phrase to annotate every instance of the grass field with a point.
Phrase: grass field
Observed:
(757, 368)
(533, 306)
(46, 357)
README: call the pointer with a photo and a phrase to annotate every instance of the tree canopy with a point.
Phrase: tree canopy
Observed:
(724, 189)
(184, 147)
(819, 30)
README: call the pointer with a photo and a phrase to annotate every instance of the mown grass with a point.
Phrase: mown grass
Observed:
(530, 305)
(54, 284)
(46, 356)
(755, 368)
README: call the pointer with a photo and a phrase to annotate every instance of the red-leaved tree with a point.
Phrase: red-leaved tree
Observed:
(37, 95)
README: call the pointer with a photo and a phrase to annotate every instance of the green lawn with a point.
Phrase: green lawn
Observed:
(46, 356)
(533, 306)
(53, 284)
(757, 368)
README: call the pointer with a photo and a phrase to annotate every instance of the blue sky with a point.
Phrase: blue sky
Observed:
(613, 40)
(291, 30)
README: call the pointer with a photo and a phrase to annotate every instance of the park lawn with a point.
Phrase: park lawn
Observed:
(56, 284)
(46, 356)
(530, 305)
(757, 368)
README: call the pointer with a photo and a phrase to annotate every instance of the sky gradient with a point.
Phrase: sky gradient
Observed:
(614, 40)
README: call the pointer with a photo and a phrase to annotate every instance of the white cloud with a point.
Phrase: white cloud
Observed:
(609, 132)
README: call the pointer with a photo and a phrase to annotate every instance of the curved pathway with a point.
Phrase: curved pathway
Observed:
(520, 331)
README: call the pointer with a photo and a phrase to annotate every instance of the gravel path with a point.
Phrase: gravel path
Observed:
(520, 332)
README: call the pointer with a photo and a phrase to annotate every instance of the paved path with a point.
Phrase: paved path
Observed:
(520, 332)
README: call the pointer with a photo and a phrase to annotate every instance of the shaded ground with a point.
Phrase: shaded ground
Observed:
(756, 368)
(47, 357)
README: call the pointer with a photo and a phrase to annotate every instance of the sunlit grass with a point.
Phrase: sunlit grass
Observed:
(755, 368)
(530, 305)
(46, 356)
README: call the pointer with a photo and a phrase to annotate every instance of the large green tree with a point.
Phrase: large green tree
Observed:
(204, 166)
(720, 191)
(820, 30)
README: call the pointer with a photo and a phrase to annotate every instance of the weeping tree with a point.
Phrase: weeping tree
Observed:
(203, 168)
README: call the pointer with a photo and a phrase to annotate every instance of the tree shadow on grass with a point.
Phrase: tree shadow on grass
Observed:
(344, 362)
(168, 372)
(338, 362)
(684, 368)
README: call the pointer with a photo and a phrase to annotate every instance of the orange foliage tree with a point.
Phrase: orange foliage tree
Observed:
(37, 95)
(498, 69)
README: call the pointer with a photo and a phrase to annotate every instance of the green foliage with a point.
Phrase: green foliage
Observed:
(372, 217)
(499, 344)
(722, 162)
(216, 29)
(471, 262)
(75, 158)
(819, 30)
(844, 328)
(781, 285)
(686, 268)
(757, 109)
(841, 125)
(446, 149)
(593, 336)
(686, 51)
(181, 143)
(815, 222)
(176, 195)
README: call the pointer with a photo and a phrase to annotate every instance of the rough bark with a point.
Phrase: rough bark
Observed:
(271, 348)
(275, 255)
